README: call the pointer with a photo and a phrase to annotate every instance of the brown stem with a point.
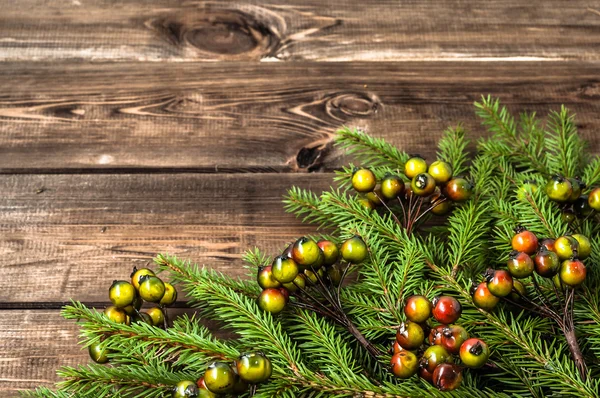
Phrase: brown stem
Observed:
(569, 332)
(388, 209)
(371, 349)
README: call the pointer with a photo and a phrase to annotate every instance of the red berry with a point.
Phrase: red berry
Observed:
(525, 241)
(272, 300)
(435, 335)
(452, 338)
(548, 243)
(418, 308)
(330, 251)
(305, 252)
(447, 377)
(458, 190)
(446, 309)
(265, 278)
(483, 298)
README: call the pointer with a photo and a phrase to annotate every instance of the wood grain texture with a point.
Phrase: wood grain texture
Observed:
(241, 117)
(279, 30)
(35, 343)
(83, 231)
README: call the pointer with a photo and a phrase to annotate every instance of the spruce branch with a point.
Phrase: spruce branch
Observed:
(566, 145)
(453, 149)
(370, 150)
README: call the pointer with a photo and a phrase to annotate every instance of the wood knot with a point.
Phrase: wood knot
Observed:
(223, 34)
(356, 105)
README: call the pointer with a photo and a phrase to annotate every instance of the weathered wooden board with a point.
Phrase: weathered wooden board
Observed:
(35, 343)
(240, 117)
(338, 30)
(69, 236)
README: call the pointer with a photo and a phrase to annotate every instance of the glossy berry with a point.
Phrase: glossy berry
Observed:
(170, 295)
(98, 353)
(115, 314)
(594, 199)
(286, 293)
(423, 184)
(557, 282)
(404, 364)
(310, 277)
(299, 283)
(584, 248)
(266, 279)
(138, 273)
(520, 265)
(396, 348)
(418, 308)
(185, 389)
(474, 353)
(204, 392)
(423, 372)
(548, 243)
(499, 282)
(152, 289)
(410, 335)
(572, 272)
(305, 252)
(219, 378)
(581, 207)
(559, 189)
(363, 180)
(546, 263)
(483, 298)
(447, 377)
(354, 250)
(518, 290)
(458, 190)
(392, 187)
(415, 166)
(157, 315)
(254, 367)
(440, 171)
(331, 253)
(525, 241)
(576, 186)
(284, 269)
(374, 197)
(435, 335)
(121, 293)
(288, 251)
(566, 247)
(446, 309)
(434, 356)
(271, 300)
(452, 338)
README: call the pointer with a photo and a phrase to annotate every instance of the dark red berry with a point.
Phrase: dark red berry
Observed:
(435, 335)
(446, 309)
(458, 190)
(447, 377)
(548, 243)
(546, 262)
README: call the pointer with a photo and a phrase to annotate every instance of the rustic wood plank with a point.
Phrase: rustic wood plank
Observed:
(77, 235)
(240, 117)
(337, 30)
(35, 343)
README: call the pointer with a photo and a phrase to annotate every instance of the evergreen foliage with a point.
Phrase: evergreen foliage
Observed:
(313, 356)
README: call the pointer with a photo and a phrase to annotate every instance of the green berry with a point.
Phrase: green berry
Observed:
(219, 378)
(98, 353)
(152, 289)
(170, 295)
(392, 187)
(363, 180)
(415, 166)
(185, 389)
(354, 250)
(330, 251)
(284, 269)
(115, 314)
(156, 315)
(254, 367)
(305, 252)
(272, 300)
(559, 189)
(423, 184)
(138, 273)
(121, 293)
(458, 190)
(440, 171)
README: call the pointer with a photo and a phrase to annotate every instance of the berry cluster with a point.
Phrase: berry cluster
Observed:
(428, 188)
(437, 364)
(558, 259)
(127, 299)
(303, 264)
(222, 378)
(568, 193)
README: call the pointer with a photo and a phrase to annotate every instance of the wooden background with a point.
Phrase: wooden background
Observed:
(131, 128)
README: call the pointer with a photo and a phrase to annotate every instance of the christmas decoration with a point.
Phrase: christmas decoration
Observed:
(497, 241)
